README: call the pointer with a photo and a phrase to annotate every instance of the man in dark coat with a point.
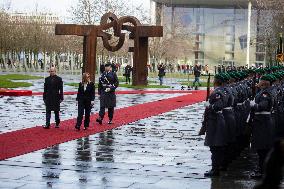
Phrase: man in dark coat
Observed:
(52, 96)
(127, 72)
(108, 83)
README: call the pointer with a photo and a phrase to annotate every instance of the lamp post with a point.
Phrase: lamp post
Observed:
(248, 35)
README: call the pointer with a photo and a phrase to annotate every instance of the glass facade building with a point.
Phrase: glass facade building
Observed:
(216, 30)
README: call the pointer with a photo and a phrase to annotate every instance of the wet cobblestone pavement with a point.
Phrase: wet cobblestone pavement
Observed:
(159, 152)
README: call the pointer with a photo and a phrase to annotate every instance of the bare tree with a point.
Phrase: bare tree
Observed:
(269, 21)
(90, 11)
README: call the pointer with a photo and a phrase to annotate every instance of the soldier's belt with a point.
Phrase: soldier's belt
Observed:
(228, 108)
(262, 113)
(240, 104)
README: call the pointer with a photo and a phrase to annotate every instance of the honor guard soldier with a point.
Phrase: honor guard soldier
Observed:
(108, 82)
(262, 123)
(216, 132)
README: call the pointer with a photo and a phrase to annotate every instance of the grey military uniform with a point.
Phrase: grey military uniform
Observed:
(263, 128)
(216, 132)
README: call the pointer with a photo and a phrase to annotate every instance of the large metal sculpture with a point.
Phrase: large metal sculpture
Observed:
(138, 32)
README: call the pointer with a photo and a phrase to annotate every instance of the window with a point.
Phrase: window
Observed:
(243, 41)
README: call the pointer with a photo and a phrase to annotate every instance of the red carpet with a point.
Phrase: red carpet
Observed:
(28, 140)
(129, 92)
(5, 92)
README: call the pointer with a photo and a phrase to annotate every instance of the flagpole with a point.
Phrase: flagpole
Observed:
(248, 35)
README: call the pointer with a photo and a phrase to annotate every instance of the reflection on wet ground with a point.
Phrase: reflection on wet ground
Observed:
(15, 111)
(159, 152)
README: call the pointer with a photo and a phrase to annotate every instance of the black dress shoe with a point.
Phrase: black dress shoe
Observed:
(46, 126)
(99, 121)
(57, 125)
(110, 122)
(212, 173)
(77, 128)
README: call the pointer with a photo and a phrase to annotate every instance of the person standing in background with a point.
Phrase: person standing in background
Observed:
(127, 73)
(52, 96)
(85, 98)
(197, 73)
(102, 68)
(161, 73)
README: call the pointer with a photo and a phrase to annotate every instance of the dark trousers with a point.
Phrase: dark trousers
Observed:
(196, 80)
(161, 78)
(273, 168)
(48, 116)
(83, 107)
(261, 158)
(217, 156)
(127, 77)
(110, 113)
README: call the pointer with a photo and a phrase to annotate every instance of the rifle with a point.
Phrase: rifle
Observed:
(250, 117)
(205, 115)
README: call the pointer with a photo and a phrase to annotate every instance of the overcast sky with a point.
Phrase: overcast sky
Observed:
(60, 7)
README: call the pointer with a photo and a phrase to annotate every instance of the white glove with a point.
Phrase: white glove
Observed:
(107, 90)
(252, 103)
(207, 104)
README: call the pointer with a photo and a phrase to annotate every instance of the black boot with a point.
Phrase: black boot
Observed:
(100, 121)
(77, 128)
(47, 126)
(57, 125)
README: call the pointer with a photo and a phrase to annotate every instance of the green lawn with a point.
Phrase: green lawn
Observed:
(176, 75)
(5, 83)
(122, 79)
(72, 84)
(203, 84)
(19, 77)
(6, 80)
(145, 87)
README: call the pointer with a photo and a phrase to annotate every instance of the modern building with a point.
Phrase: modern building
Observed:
(217, 30)
(26, 18)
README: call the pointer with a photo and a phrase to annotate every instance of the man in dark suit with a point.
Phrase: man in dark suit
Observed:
(52, 96)
(108, 83)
